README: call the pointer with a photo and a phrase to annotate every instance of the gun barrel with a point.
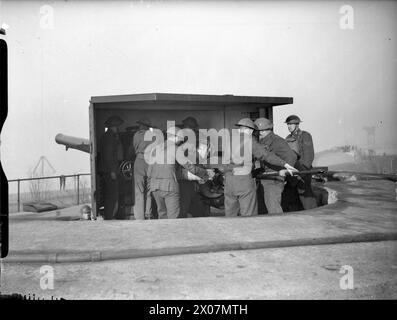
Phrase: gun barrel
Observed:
(364, 175)
(270, 174)
(73, 142)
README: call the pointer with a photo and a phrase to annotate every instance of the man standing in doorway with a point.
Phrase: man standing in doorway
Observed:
(111, 153)
(143, 200)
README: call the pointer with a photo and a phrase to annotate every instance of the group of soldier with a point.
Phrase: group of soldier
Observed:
(176, 195)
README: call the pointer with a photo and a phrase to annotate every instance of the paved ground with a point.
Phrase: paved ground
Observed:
(288, 262)
(309, 272)
(364, 208)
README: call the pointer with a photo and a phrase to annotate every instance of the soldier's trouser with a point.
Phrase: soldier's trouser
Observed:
(111, 195)
(167, 204)
(305, 191)
(306, 194)
(272, 190)
(290, 199)
(240, 195)
(143, 201)
(191, 201)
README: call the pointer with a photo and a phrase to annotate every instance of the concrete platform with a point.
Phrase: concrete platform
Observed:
(290, 256)
(308, 272)
(365, 211)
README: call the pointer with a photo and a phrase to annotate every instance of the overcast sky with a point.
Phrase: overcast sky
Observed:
(340, 79)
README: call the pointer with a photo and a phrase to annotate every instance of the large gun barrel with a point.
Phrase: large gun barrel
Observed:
(73, 142)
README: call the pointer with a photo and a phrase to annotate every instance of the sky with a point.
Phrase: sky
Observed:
(63, 52)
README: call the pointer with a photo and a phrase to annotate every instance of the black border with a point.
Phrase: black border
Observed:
(4, 236)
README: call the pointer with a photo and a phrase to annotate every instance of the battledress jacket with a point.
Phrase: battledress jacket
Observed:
(164, 176)
(110, 152)
(280, 148)
(305, 147)
(260, 153)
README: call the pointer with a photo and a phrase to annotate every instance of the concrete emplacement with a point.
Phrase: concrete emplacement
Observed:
(359, 211)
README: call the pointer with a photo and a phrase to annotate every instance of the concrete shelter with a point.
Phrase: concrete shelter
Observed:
(211, 111)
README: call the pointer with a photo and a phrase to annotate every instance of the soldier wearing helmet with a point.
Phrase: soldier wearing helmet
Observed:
(191, 200)
(143, 201)
(273, 188)
(302, 143)
(110, 154)
(164, 175)
(240, 186)
(191, 123)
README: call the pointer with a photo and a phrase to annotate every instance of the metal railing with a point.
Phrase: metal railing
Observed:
(61, 178)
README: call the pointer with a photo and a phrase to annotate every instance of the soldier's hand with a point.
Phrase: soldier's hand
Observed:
(113, 175)
(290, 169)
(211, 174)
(282, 173)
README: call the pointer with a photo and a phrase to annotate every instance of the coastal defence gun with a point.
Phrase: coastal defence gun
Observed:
(212, 191)
(73, 142)
(216, 112)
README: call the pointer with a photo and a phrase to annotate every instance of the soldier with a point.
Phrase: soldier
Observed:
(164, 176)
(143, 200)
(240, 186)
(191, 123)
(302, 143)
(191, 201)
(273, 188)
(111, 153)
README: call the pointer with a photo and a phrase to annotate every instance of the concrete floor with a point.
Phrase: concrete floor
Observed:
(309, 272)
(293, 256)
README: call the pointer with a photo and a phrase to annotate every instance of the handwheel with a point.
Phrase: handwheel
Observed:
(127, 169)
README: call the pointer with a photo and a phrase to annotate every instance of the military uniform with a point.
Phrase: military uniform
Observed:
(190, 198)
(143, 201)
(240, 186)
(164, 184)
(302, 143)
(191, 201)
(261, 154)
(110, 150)
(273, 188)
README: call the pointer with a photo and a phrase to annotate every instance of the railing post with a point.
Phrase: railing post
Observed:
(78, 189)
(19, 200)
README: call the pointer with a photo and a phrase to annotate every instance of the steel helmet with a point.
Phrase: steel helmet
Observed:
(145, 122)
(293, 119)
(247, 122)
(263, 124)
(190, 122)
(85, 212)
(113, 121)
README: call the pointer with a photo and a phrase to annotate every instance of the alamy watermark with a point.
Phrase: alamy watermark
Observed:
(346, 21)
(46, 17)
(189, 146)
(47, 278)
(346, 282)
